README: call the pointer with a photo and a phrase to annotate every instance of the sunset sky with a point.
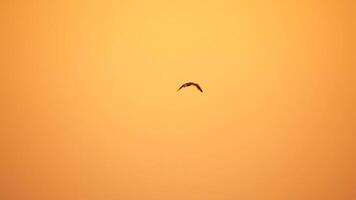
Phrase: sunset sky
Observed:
(89, 108)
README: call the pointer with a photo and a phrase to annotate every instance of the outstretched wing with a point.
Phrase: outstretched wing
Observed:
(181, 87)
(199, 88)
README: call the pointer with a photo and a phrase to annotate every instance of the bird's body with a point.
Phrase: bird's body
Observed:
(191, 84)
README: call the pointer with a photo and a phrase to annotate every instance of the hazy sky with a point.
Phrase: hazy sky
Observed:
(89, 108)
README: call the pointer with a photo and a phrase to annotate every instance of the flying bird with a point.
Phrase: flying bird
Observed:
(190, 84)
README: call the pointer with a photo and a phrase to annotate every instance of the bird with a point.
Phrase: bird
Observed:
(190, 84)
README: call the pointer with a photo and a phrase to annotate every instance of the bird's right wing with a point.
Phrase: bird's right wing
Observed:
(199, 88)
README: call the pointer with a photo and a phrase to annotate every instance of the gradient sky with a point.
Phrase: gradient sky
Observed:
(89, 108)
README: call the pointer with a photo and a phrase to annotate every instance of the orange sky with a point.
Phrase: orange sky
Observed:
(89, 108)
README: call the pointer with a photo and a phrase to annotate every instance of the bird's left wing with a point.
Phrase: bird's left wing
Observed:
(181, 87)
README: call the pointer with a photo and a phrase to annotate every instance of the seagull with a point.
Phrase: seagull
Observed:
(190, 84)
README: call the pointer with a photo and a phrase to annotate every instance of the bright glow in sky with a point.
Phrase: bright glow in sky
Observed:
(89, 108)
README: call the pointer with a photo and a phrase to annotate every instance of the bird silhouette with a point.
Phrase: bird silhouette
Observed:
(190, 84)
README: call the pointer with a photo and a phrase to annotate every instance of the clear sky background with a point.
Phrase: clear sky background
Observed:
(89, 108)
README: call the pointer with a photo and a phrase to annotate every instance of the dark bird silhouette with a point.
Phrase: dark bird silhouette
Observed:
(190, 84)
